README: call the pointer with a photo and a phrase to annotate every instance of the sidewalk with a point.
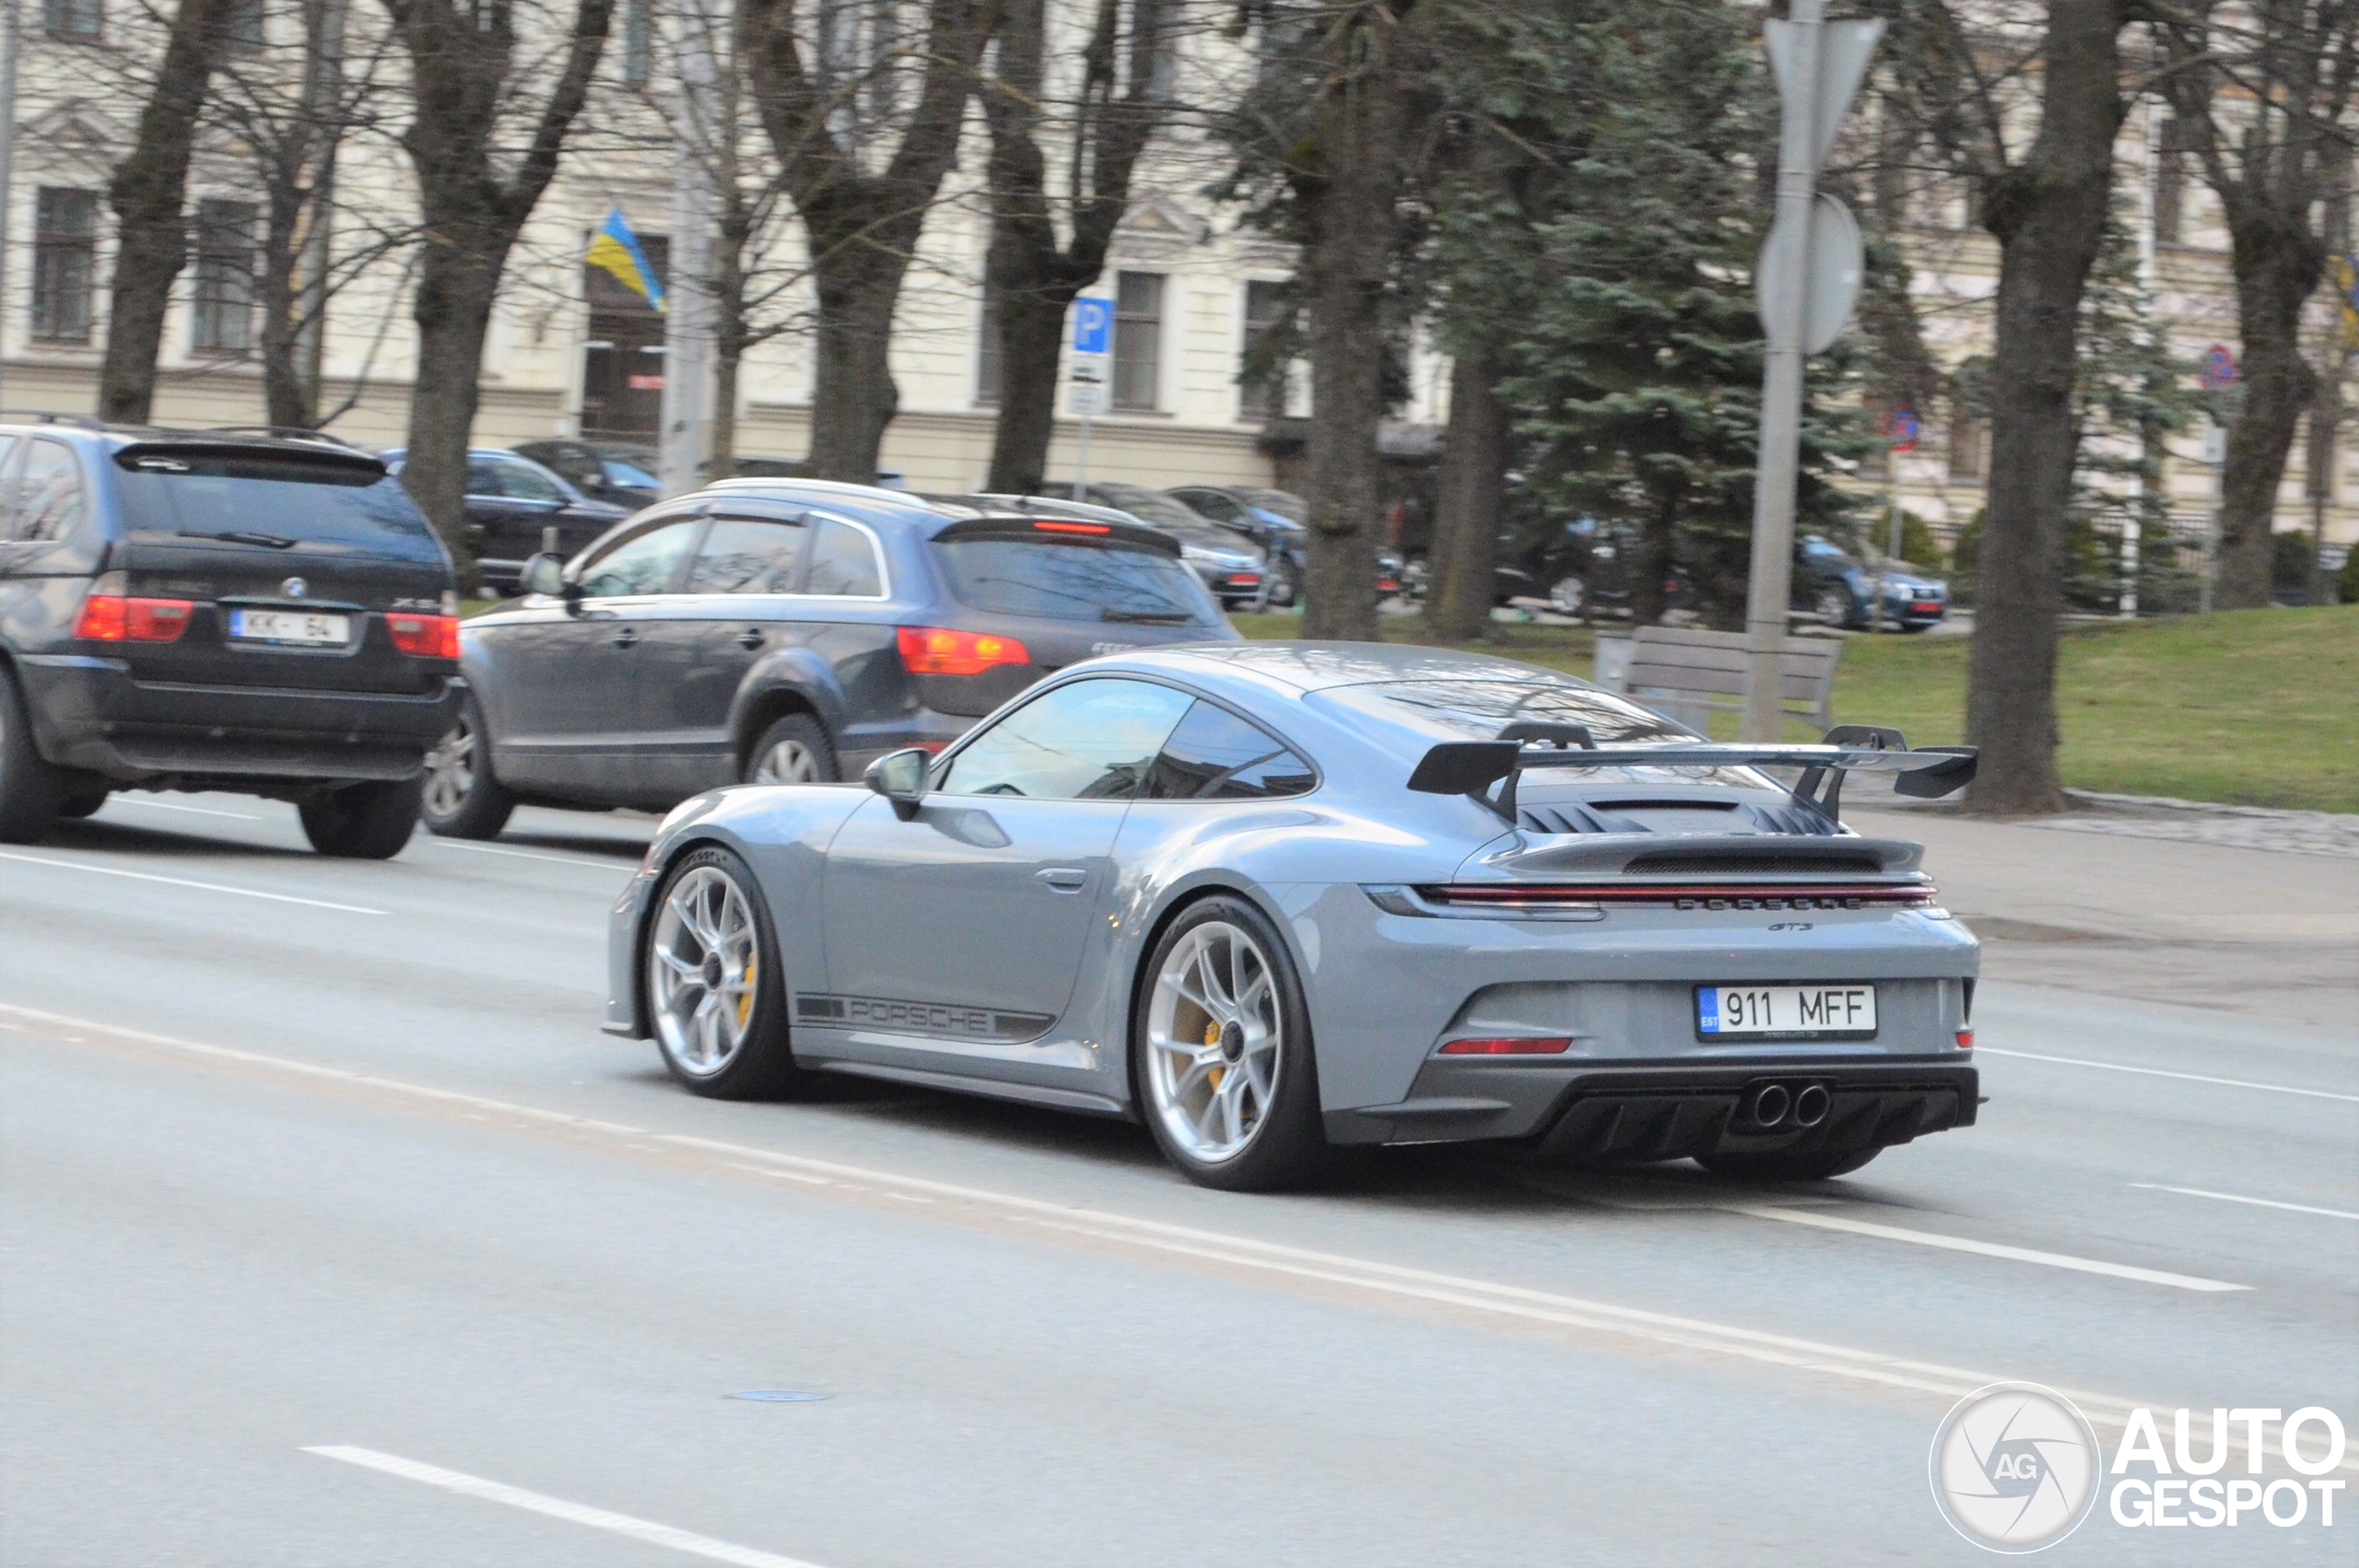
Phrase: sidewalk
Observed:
(2164, 903)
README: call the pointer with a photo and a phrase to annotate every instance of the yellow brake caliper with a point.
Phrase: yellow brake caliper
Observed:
(745, 1002)
(1212, 1037)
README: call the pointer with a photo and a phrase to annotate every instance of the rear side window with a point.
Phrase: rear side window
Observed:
(265, 498)
(1073, 580)
(1215, 756)
(843, 563)
(49, 502)
(747, 555)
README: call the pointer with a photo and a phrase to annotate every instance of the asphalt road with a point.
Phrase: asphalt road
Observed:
(336, 1234)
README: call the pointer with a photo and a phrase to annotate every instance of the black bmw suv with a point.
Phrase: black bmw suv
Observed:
(216, 609)
(783, 631)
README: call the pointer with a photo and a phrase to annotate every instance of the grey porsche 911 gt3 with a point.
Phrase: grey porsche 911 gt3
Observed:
(1276, 898)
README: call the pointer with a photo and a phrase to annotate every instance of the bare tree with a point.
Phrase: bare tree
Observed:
(2046, 205)
(1030, 275)
(149, 195)
(2261, 89)
(471, 90)
(862, 159)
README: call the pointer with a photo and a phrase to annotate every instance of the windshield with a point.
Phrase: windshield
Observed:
(266, 499)
(1282, 503)
(1067, 580)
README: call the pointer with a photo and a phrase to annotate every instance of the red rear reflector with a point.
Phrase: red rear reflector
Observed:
(429, 637)
(110, 617)
(1965, 1039)
(1073, 526)
(1519, 1045)
(938, 651)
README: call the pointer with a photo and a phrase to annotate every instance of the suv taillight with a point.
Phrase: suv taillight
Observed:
(429, 637)
(109, 614)
(939, 650)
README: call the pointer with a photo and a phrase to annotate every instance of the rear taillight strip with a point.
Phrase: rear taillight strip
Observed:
(1834, 896)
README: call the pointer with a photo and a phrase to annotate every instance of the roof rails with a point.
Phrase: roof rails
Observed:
(50, 416)
(279, 432)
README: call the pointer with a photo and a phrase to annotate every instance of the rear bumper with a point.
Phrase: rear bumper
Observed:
(1581, 1113)
(89, 713)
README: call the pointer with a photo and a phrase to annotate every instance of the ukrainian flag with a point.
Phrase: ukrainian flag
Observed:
(615, 249)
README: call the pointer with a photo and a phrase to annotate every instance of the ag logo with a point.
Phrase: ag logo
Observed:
(2014, 1467)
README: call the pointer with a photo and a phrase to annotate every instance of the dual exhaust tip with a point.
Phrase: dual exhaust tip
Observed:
(1773, 1103)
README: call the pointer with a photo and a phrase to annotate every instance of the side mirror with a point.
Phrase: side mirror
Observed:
(543, 573)
(899, 777)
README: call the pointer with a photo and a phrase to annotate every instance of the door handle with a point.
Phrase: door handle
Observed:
(1064, 879)
(749, 638)
(626, 638)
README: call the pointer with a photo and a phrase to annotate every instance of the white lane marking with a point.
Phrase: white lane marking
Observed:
(1514, 1301)
(2158, 1072)
(559, 1508)
(528, 855)
(174, 806)
(1987, 1249)
(183, 881)
(2257, 1202)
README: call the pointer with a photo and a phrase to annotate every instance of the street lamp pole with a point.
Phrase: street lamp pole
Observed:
(7, 168)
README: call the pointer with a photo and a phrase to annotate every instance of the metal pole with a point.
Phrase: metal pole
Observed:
(2133, 526)
(8, 170)
(1781, 400)
(688, 326)
(1891, 507)
(1081, 465)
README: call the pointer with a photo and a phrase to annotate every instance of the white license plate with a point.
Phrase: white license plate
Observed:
(306, 628)
(1788, 1013)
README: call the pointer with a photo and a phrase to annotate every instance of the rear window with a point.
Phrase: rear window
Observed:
(1478, 710)
(1073, 582)
(264, 498)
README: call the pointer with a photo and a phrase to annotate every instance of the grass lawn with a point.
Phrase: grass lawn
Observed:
(2253, 707)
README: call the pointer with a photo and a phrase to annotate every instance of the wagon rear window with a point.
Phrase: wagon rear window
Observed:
(1071, 582)
(177, 494)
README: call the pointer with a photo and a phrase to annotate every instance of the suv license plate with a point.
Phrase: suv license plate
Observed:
(1785, 1012)
(307, 628)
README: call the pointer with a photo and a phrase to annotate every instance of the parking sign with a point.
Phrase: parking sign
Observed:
(1093, 325)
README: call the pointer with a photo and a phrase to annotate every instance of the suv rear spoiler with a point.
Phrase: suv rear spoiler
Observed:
(1062, 530)
(1473, 768)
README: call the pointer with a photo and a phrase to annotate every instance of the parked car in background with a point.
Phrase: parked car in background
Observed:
(1232, 571)
(512, 502)
(213, 610)
(784, 631)
(623, 473)
(1273, 519)
(1843, 591)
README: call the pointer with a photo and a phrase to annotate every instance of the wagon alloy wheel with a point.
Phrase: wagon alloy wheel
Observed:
(462, 797)
(789, 762)
(794, 750)
(451, 769)
(1213, 1038)
(1835, 607)
(703, 964)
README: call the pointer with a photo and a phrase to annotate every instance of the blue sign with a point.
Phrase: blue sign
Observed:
(1093, 325)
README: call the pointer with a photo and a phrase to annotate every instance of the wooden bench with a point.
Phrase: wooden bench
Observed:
(1684, 674)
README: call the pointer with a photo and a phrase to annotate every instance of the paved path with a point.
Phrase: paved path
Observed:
(336, 1236)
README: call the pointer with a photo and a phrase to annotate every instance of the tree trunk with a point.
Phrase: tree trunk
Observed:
(1473, 493)
(1031, 333)
(2277, 264)
(286, 397)
(853, 397)
(2047, 213)
(149, 193)
(454, 315)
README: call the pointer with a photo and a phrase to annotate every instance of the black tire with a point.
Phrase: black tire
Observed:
(1289, 1147)
(1837, 608)
(1817, 1166)
(81, 803)
(797, 735)
(763, 1067)
(459, 797)
(362, 822)
(30, 789)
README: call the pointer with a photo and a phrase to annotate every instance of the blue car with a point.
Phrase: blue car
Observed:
(1276, 899)
(1846, 594)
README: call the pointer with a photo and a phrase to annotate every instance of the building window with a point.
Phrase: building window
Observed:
(2170, 183)
(71, 18)
(639, 40)
(66, 248)
(1138, 339)
(224, 316)
(1260, 395)
(989, 376)
(1967, 439)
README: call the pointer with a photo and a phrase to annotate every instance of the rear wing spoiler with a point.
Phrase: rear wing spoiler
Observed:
(1473, 768)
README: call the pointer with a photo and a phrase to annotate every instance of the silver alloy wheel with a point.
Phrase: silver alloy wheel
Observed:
(451, 769)
(1214, 1042)
(1565, 598)
(789, 762)
(1834, 607)
(703, 964)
